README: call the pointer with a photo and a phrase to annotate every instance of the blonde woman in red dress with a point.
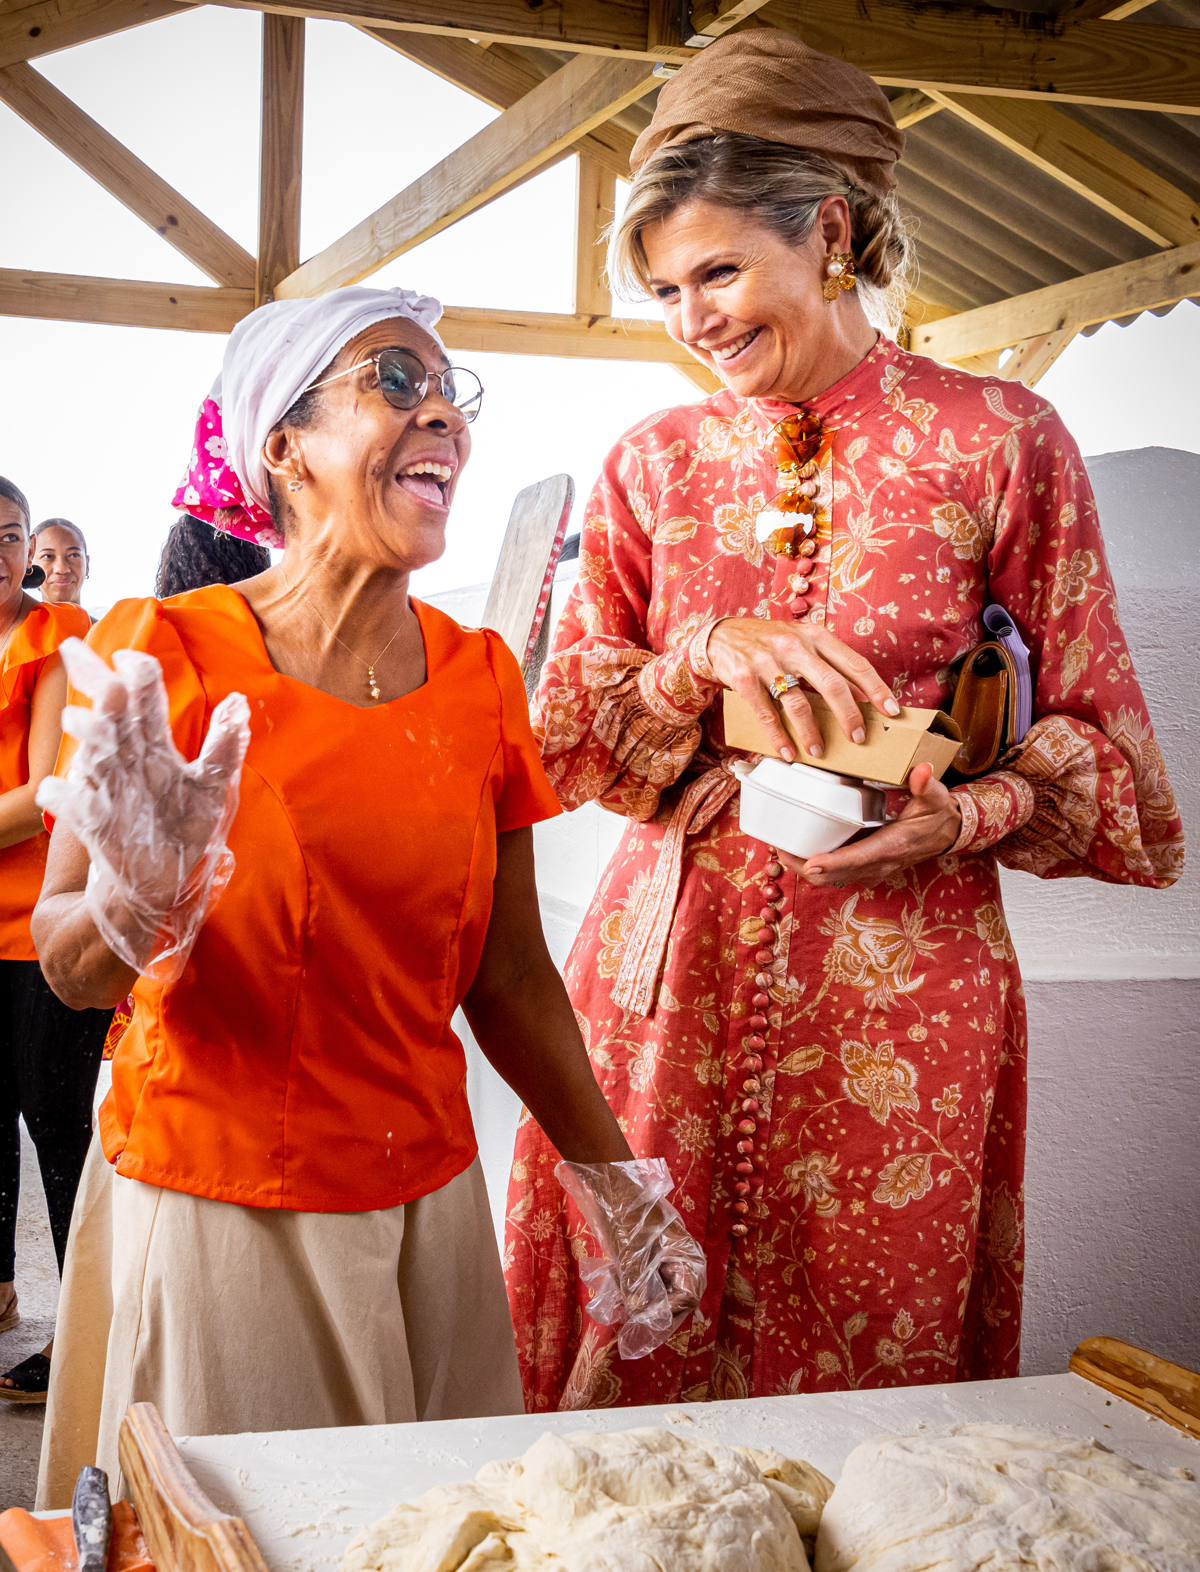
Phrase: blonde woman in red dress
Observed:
(830, 1055)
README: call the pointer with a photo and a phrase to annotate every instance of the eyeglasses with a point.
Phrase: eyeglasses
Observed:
(788, 523)
(404, 381)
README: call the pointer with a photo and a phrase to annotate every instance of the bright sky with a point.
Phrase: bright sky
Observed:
(96, 422)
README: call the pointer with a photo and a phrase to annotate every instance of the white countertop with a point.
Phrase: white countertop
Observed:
(304, 1494)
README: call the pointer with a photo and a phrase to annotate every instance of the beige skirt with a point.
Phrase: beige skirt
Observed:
(235, 1318)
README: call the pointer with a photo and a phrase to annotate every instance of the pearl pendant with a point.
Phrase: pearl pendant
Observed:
(372, 685)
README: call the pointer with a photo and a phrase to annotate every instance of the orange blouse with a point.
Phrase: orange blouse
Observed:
(23, 866)
(305, 1059)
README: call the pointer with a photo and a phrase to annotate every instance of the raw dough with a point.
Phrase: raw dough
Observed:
(633, 1501)
(803, 1489)
(1001, 1498)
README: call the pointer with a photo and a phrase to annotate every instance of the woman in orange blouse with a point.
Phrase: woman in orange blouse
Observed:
(300, 1234)
(60, 550)
(48, 1054)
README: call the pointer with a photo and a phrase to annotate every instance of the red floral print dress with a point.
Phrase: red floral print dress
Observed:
(885, 1229)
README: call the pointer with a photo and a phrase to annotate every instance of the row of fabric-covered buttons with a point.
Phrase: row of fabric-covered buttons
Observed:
(751, 1162)
(805, 549)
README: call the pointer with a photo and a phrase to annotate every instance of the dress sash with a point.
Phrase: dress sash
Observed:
(636, 987)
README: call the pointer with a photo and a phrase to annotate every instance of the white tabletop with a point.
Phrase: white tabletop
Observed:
(305, 1493)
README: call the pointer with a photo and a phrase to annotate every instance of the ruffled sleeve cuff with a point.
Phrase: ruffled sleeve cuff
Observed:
(992, 807)
(679, 685)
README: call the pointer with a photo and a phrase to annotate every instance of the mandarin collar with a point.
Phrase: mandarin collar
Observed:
(849, 399)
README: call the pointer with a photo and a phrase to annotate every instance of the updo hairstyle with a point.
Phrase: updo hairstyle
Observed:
(780, 188)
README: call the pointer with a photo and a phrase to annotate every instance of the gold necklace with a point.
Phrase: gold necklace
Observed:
(372, 684)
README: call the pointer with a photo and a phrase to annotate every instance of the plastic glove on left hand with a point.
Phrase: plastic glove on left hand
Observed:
(651, 1274)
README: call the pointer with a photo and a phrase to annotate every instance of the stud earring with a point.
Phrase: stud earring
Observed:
(841, 274)
(295, 484)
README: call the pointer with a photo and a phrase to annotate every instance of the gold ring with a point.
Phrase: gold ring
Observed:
(782, 684)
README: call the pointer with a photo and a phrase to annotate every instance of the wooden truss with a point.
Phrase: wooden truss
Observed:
(564, 73)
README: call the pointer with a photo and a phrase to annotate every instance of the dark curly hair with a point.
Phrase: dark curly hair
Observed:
(195, 554)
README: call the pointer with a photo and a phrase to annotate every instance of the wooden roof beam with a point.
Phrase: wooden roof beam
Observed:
(539, 128)
(714, 18)
(109, 162)
(572, 338)
(280, 152)
(546, 333)
(1030, 361)
(500, 75)
(599, 27)
(1094, 10)
(121, 302)
(595, 203)
(30, 30)
(1004, 54)
(1159, 280)
(914, 106)
(1091, 167)
(497, 74)
(124, 302)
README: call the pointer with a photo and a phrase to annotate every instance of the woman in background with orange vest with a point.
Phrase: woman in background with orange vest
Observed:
(49, 1055)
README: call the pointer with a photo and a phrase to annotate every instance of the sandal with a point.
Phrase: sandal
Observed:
(32, 1376)
(10, 1318)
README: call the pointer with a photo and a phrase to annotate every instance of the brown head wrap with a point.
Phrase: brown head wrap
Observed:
(766, 83)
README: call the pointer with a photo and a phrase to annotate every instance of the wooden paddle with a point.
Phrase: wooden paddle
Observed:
(519, 597)
(1168, 1391)
(183, 1530)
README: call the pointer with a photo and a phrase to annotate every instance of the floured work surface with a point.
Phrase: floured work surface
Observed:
(306, 1494)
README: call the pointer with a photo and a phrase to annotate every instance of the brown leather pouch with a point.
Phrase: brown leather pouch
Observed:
(985, 706)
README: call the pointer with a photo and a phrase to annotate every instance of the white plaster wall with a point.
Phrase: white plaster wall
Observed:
(1112, 1175)
(1078, 928)
(1112, 978)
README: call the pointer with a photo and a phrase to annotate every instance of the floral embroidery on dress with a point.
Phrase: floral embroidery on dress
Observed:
(886, 1243)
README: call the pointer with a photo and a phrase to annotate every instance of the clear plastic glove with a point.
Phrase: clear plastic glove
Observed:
(651, 1274)
(154, 825)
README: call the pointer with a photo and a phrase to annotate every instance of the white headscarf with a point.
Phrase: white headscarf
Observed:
(275, 352)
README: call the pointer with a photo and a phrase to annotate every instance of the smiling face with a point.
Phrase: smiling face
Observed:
(14, 555)
(377, 481)
(749, 305)
(59, 552)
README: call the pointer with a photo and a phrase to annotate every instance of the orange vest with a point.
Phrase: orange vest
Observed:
(23, 866)
(305, 1058)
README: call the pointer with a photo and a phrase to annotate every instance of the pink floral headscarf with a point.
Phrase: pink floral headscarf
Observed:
(272, 356)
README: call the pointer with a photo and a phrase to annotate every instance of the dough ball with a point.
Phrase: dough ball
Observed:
(1001, 1498)
(633, 1501)
(802, 1488)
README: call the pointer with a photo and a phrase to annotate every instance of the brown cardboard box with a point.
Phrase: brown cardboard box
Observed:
(893, 746)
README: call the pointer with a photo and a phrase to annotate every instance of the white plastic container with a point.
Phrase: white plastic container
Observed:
(804, 811)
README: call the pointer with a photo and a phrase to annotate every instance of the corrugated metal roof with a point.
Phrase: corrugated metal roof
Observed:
(990, 225)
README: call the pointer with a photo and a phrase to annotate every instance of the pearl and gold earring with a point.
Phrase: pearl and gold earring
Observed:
(840, 271)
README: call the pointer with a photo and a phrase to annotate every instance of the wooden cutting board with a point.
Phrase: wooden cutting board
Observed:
(1168, 1391)
(520, 592)
(183, 1530)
